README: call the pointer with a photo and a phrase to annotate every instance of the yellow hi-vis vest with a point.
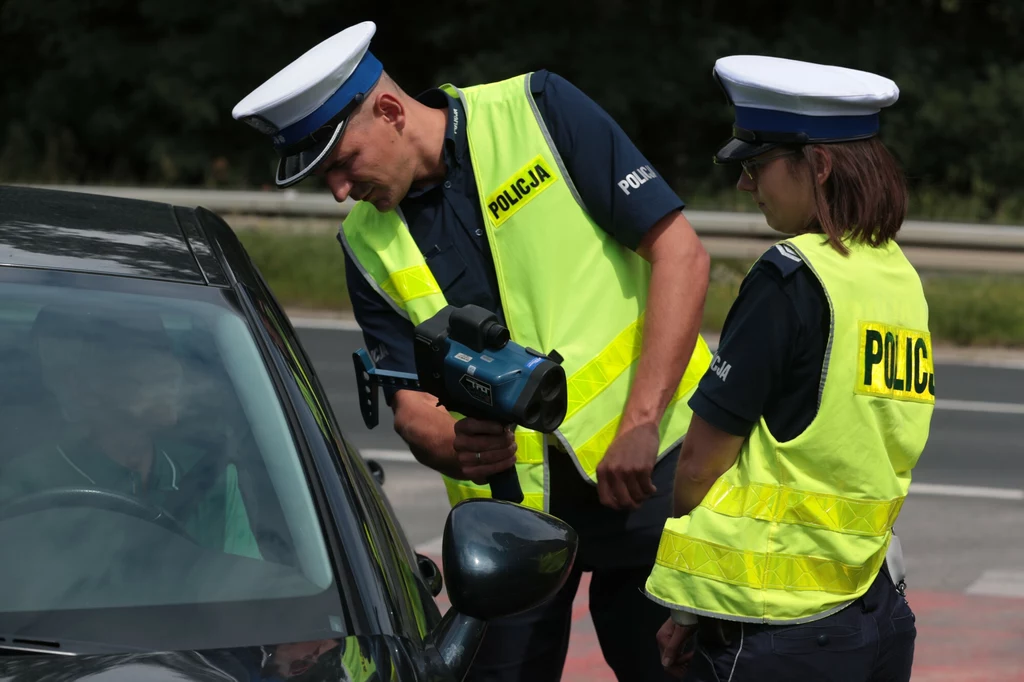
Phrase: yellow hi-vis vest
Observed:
(797, 530)
(564, 283)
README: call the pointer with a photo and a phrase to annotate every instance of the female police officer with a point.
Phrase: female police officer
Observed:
(816, 406)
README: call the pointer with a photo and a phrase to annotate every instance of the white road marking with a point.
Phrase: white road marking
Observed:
(966, 491)
(999, 584)
(388, 455)
(324, 323)
(979, 406)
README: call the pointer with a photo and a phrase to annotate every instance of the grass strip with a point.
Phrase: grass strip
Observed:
(305, 266)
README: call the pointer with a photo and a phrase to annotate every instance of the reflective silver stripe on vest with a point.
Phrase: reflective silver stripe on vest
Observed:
(366, 275)
(551, 145)
(831, 321)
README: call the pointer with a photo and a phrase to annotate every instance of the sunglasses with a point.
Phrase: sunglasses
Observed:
(751, 166)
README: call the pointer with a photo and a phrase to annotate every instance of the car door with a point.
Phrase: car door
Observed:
(389, 541)
(413, 608)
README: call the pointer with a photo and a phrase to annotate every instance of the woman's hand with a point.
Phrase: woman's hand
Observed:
(672, 641)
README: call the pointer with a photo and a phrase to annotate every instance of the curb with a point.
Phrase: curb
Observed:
(1012, 358)
(975, 356)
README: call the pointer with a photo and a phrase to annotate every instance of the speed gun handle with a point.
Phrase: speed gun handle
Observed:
(505, 486)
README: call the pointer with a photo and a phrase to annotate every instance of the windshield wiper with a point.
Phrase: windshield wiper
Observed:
(11, 645)
(15, 646)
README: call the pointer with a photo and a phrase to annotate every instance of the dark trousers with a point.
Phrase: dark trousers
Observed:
(872, 640)
(618, 549)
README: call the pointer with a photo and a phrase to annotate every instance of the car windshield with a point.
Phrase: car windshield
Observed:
(151, 492)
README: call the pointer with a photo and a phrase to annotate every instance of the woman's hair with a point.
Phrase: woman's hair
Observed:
(865, 196)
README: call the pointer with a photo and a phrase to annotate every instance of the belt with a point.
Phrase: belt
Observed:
(717, 632)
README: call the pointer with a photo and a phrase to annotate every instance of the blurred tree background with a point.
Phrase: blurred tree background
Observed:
(141, 91)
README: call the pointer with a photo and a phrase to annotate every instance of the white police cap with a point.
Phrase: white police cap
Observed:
(305, 106)
(782, 101)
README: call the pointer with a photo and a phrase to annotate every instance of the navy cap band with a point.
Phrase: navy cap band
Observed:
(362, 79)
(778, 126)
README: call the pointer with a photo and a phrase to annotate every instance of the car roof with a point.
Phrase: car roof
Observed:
(77, 231)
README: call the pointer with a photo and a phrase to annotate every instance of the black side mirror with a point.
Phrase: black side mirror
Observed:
(499, 559)
(376, 470)
(431, 574)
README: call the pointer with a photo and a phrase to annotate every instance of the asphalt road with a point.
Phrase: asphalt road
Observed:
(962, 528)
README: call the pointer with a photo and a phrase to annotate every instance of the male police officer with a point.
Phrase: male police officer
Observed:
(527, 199)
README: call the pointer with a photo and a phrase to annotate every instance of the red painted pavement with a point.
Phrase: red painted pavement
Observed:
(959, 637)
(968, 638)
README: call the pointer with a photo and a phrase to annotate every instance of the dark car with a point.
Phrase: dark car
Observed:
(176, 498)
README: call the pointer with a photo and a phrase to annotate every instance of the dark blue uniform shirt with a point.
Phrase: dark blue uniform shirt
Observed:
(446, 222)
(769, 358)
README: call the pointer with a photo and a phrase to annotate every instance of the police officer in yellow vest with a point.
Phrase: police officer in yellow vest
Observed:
(816, 406)
(523, 197)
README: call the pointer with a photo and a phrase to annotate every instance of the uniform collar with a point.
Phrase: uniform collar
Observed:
(454, 148)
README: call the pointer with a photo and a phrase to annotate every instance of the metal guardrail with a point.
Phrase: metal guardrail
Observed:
(913, 232)
(271, 202)
(932, 244)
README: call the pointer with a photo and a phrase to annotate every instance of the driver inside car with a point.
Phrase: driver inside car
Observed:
(119, 388)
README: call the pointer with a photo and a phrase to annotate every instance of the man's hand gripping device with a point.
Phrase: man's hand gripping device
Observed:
(465, 359)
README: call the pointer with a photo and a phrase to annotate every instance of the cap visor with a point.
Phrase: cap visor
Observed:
(296, 167)
(738, 150)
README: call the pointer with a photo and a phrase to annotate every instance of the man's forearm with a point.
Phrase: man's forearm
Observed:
(675, 306)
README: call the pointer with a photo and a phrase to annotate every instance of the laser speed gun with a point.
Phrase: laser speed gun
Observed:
(465, 358)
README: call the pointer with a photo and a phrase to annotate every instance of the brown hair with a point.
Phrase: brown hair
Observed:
(865, 196)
